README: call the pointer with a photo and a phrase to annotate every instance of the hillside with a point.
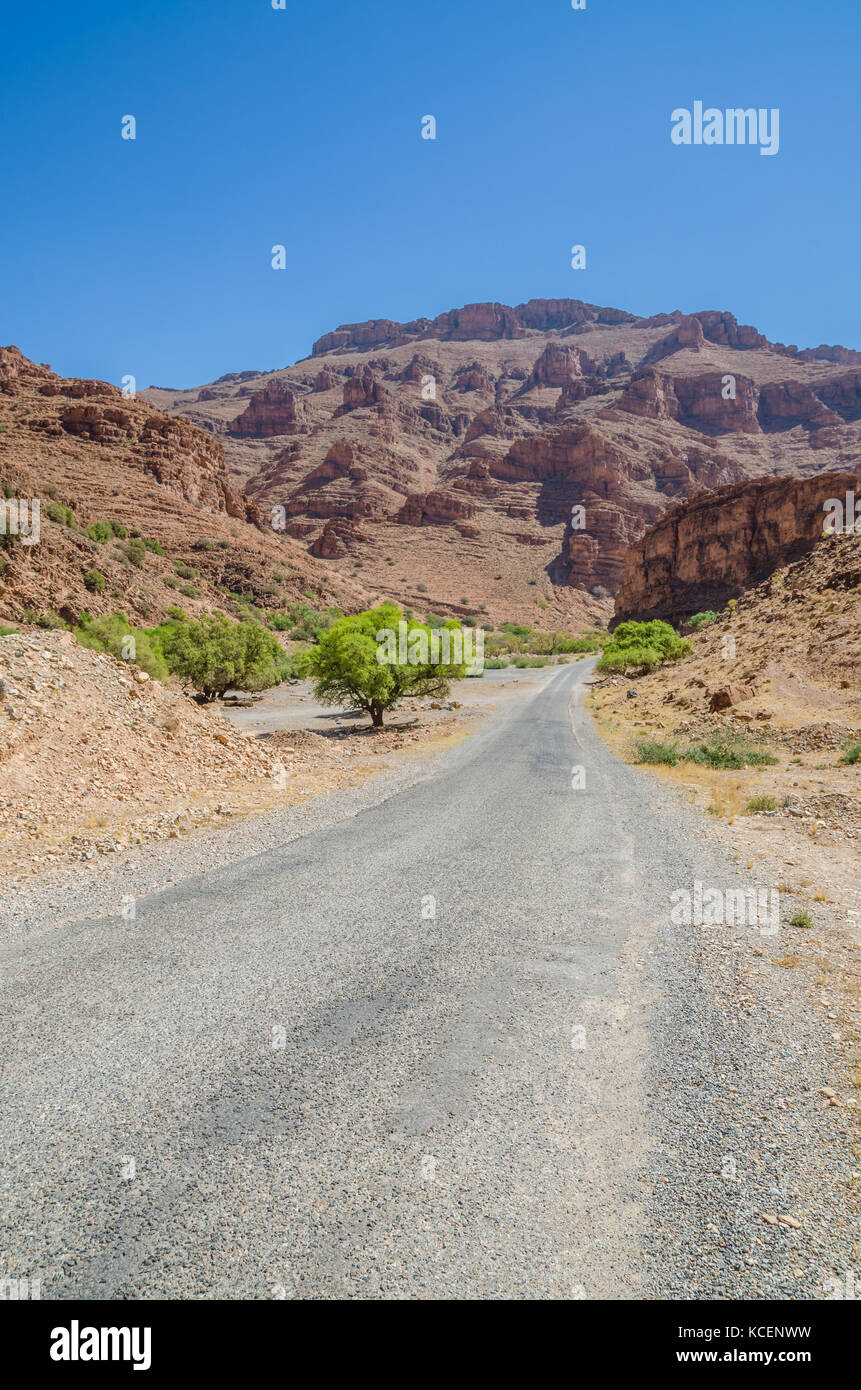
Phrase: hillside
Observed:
(185, 533)
(439, 461)
(781, 668)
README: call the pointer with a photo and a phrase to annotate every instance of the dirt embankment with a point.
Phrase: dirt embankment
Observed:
(780, 672)
(96, 757)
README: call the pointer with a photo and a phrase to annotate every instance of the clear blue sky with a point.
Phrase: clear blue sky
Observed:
(302, 126)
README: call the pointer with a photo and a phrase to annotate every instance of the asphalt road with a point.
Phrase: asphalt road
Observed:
(407, 1056)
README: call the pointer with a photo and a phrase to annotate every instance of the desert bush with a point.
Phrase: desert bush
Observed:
(702, 620)
(725, 751)
(95, 581)
(215, 655)
(642, 645)
(651, 750)
(495, 664)
(114, 635)
(852, 753)
(64, 516)
(100, 531)
(761, 803)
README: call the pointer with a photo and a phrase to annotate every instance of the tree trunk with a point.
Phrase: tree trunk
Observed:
(377, 716)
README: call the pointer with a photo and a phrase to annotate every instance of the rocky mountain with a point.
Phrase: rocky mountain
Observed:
(501, 460)
(705, 551)
(186, 534)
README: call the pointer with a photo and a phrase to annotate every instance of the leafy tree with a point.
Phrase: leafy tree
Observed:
(642, 644)
(347, 668)
(215, 655)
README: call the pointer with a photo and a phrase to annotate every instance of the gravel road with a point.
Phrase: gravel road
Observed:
(448, 1045)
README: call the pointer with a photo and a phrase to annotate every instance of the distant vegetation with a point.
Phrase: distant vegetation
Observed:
(702, 620)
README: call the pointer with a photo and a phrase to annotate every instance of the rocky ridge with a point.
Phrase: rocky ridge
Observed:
(443, 461)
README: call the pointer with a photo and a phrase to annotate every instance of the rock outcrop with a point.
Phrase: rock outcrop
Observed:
(277, 409)
(711, 548)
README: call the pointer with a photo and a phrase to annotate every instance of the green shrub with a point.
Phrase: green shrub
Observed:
(725, 751)
(95, 581)
(702, 620)
(50, 620)
(495, 663)
(531, 661)
(119, 530)
(651, 750)
(642, 645)
(113, 635)
(801, 919)
(99, 532)
(852, 753)
(64, 516)
(134, 551)
(7, 631)
(186, 572)
(761, 803)
(203, 543)
(189, 591)
(176, 612)
(154, 546)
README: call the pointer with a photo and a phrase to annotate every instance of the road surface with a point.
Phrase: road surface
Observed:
(450, 1047)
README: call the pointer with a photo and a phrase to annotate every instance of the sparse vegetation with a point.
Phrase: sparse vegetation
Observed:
(730, 752)
(702, 620)
(801, 919)
(652, 751)
(64, 516)
(761, 803)
(852, 753)
(95, 581)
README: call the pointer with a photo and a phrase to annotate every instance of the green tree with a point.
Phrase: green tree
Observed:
(215, 655)
(642, 644)
(347, 668)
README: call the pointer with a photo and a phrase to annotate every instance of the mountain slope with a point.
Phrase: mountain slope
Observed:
(86, 446)
(440, 460)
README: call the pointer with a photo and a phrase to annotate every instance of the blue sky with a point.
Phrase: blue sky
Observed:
(302, 126)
